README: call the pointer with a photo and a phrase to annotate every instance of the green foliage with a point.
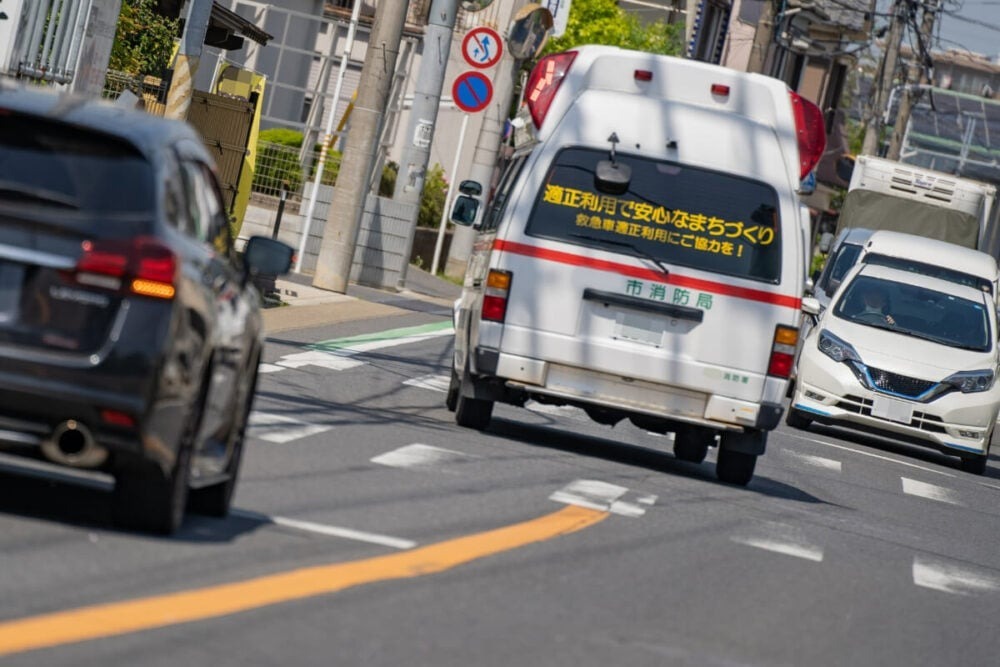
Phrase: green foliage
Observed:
(388, 183)
(281, 135)
(603, 22)
(144, 40)
(277, 160)
(432, 199)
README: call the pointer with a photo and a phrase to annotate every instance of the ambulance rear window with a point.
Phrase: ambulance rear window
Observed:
(682, 215)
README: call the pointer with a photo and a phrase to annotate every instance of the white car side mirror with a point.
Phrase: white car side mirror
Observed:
(810, 305)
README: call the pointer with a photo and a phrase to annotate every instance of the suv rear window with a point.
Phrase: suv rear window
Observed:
(679, 214)
(49, 163)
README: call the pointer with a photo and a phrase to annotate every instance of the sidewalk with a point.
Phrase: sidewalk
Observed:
(307, 306)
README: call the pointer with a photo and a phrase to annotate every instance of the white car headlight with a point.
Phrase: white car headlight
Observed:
(969, 382)
(835, 348)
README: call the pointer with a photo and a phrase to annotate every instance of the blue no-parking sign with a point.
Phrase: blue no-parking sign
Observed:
(472, 91)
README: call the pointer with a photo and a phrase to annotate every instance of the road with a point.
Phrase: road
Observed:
(371, 530)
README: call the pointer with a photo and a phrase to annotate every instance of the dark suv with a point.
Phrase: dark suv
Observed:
(130, 329)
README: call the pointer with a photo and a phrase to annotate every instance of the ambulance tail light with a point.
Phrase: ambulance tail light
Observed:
(783, 352)
(495, 297)
(810, 131)
(543, 83)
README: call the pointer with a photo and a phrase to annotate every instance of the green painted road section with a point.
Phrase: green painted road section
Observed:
(381, 337)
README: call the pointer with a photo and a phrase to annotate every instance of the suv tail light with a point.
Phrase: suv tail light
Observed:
(543, 83)
(783, 351)
(810, 131)
(144, 264)
(495, 297)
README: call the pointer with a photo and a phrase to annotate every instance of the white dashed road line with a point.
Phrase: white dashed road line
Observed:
(913, 487)
(330, 531)
(870, 454)
(815, 461)
(953, 578)
(780, 538)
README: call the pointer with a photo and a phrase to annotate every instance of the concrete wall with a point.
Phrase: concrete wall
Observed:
(382, 240)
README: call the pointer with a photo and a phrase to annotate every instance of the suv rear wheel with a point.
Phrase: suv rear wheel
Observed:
(147, 499)
(216, 500)
(735, 467)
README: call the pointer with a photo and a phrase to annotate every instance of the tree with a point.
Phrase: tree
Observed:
(603, 22)
(144, 39)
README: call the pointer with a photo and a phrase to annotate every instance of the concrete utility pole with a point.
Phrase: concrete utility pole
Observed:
(188, 55)
(484, 159)
(423, 114)
(883, 81)
(340, 237)
(906, 101)
(762, 38)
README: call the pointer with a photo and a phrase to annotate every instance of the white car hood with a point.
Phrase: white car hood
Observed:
(907, 355)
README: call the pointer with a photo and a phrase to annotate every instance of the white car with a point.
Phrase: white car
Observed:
(920, 366)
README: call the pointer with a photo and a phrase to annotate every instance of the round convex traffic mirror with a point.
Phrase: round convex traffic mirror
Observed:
(475, 5)
(529, 31)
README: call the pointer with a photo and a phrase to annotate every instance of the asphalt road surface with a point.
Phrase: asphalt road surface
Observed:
(371, 530)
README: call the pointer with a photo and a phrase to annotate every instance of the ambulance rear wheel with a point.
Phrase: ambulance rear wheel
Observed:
(473, 412)
(735, 467)
(692, 444)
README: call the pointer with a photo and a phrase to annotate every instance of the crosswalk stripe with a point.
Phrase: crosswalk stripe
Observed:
(913, 487)
(281, 429)
(419, 455)
(779, 538)
(948, 577)
(434, 382)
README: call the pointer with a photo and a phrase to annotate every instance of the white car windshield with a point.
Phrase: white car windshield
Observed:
(916, 311)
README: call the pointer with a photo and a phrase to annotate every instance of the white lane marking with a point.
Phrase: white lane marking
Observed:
(336, 355)
(952, 578)
(780, 538)
(870, 454)
(331, 531)
(281, 429)
(434, 382)
(987, 485)
(570, 411)
(913, 487)
(419, 456)
(817, 461)
(603, 497)
(269, 368)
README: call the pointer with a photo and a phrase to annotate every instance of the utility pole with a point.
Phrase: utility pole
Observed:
(884, 78)
(423, 115)
(923, 63)
(188, 56)
(340, 237)
(762, 38)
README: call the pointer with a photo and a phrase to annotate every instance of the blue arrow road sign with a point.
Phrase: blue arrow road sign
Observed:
(472, 91)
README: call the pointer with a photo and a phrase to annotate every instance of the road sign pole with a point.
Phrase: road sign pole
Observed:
(453, 178)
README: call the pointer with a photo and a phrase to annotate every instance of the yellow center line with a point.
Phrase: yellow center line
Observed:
(117, 618)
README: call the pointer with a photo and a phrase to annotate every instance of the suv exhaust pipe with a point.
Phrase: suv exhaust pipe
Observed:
(72, 444)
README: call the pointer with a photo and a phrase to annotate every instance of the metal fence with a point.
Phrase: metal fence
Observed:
(277, 166)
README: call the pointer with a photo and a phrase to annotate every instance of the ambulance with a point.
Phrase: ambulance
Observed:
(643, 256)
